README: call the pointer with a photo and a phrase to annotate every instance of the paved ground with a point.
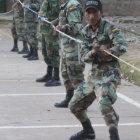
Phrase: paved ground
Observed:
(27, 109)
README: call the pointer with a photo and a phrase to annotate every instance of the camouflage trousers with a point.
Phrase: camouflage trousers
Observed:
(31, 34)
(17, 29)
(72, 72)
(101, 87)
(50, 50)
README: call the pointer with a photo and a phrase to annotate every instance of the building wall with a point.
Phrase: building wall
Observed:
(121, 7)
(112, 7)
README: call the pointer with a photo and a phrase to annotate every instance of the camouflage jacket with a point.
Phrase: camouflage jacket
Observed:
(70, 19)
(18, 11)
(34, 5)
(105, 34)
(105, 68)
(49, 9)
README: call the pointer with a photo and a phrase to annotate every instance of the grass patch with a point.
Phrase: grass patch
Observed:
(127, 71)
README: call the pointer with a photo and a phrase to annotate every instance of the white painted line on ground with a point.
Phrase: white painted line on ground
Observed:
(36, 94)
(123, 97)
(129, 100)
(62, 126)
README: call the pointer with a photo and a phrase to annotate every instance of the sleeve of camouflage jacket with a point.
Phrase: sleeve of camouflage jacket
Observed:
(35, 5)
(119, 44)
(86, 49)
(74, 18)
(43, 8)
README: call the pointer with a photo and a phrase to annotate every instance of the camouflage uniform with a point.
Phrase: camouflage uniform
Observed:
(104, 76)
(70, 20)
(31, 22)
(17, 29)
(50, 43)
(50, 40)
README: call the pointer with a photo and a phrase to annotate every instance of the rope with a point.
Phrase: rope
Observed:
(123, 61)
(76, 40)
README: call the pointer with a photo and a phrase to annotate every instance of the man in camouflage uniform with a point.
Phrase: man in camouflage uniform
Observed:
(50, 43)
(104, 77)
(31, 24)
(17, 28)
(70, 22)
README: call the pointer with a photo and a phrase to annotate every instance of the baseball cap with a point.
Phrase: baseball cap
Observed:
(96, 4)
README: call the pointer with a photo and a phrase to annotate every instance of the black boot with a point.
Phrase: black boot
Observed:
(86, 133)
(65, 103)
(29, 54)
(46, 77)
(114, 134)
(15, 47)
(34, 55)
(55, 81)
(25, 49)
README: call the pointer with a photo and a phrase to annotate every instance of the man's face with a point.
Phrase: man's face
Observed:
(93, 16)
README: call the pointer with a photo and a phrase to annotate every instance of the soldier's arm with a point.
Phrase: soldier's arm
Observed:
(119, 44)
(86, 50)
(35, 5)
(74, 17)
(43, 8)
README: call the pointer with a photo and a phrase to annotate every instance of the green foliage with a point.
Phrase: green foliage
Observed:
(130, 73)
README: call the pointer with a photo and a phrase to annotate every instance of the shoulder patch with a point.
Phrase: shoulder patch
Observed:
(72, 8)
(114, 29)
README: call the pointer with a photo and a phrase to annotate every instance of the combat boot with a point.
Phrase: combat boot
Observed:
(86, 133)
(15, 47)
(64, 104)
(25, 49)
(29, 54)
(114, 134)
(34, 55)
(46, 77)
(55, 81)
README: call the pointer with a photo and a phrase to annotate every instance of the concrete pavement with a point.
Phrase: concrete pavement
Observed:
(27, 109)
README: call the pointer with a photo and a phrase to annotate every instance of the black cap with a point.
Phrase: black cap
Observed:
(96, 4)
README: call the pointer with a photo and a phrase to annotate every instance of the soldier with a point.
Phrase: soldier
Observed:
(17, 28)
(104, 77)
(70, 22)
(31, 24)
(50, 43)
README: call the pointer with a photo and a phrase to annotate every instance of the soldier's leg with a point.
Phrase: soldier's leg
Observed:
(48, 74)
(27, 40)
(15, 37)
(20, 28)
(53, 59)
(21, 34)
(82, 99)
(68, 85)
(33, 41)
(106, 98)
(75, 71)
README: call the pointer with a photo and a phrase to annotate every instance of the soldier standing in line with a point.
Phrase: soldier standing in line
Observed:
(104, 77)
(50, 43)
(31, 24)
(17, 29)
(70, 22)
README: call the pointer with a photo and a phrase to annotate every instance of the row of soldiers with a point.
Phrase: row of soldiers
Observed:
(24, 28)
(98, 35)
